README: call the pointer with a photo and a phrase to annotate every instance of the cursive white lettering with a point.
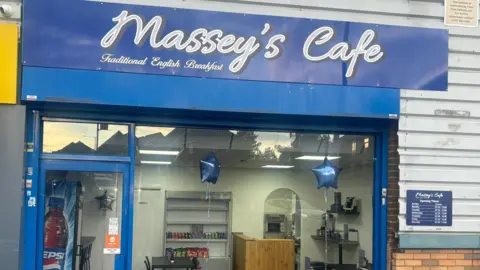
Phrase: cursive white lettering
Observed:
(273, 51)
(321, 36)
(192, 64)
(157, 62)
(200, 40)
(244, 48)
(110, 58)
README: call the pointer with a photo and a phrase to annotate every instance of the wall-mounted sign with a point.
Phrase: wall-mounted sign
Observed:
(429, 208)
(461, 13)
(8, 63)
(116, 37)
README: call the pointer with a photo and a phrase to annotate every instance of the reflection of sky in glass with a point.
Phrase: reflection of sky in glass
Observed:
(142, 131)
(273, 140)
(57, 135)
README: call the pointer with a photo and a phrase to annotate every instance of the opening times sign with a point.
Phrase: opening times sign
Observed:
(429, 208)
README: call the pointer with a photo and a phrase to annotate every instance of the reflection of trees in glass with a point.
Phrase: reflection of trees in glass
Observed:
(249, 139)
(326, 141)
(268, 154)
(281, 147)
(275, 152)
(299, 143)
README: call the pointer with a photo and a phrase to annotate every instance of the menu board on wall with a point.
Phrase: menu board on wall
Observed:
(429, 208)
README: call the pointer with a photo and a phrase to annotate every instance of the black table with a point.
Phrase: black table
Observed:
(179, 263)
(87, 240)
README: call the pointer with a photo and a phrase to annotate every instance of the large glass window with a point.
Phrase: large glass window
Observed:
(85, 138)
(265, 191)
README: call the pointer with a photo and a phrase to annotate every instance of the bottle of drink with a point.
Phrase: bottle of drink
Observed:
(55, 235)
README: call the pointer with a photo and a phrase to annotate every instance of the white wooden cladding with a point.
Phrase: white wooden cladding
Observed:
(439, 132)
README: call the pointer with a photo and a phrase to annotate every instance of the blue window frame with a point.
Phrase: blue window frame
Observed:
(36, 162)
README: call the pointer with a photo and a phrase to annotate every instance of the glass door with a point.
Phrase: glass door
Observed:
(83, 215)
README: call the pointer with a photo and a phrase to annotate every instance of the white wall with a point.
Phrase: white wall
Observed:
(279, 201)
(250, 188)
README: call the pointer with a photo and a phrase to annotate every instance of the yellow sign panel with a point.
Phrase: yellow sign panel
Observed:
(8, 63)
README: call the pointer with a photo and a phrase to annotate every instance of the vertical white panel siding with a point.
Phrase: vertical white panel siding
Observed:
(439, 132)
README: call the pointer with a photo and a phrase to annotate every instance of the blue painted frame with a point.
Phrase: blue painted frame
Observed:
(141, 92)
(32, 159)
(379, 128)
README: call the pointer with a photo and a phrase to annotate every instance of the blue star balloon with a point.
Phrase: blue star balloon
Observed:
(326, 174)
(209, 168)
(106, 201)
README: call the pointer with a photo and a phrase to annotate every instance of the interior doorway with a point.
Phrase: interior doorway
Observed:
(283, 218)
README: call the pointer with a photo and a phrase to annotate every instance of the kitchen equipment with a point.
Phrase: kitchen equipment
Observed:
(350, 204)
(345, 231)
(355, 231)
(362, 260)
(275, 224)
(336, 207)
(328, 225)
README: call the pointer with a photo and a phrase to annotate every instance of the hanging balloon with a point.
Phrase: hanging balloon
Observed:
(105, 201)
(209, 172)
(209, 169)
(326, 174)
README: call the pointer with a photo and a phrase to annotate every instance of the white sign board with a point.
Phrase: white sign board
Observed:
(113, 226)
(461, 13)
(112, 239)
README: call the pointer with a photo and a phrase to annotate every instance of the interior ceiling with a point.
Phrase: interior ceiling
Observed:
(239, 149)
(247, 149)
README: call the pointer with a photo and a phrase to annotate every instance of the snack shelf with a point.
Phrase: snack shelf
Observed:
(198, 240)
(188, 226)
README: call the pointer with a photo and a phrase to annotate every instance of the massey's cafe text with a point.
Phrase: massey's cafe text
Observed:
(206, 42)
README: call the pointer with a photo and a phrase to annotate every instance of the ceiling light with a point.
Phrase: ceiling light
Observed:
(366, 143)
(277, 166)
(316, 158)
(157, 152)
(156, 162)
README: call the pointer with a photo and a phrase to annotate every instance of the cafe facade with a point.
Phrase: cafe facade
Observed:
(126, 101)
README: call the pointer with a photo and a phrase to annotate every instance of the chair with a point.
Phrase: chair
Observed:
(147, 263)
(196, 263)
(86, 253)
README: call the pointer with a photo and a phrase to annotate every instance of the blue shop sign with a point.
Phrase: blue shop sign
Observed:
(89, 35)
